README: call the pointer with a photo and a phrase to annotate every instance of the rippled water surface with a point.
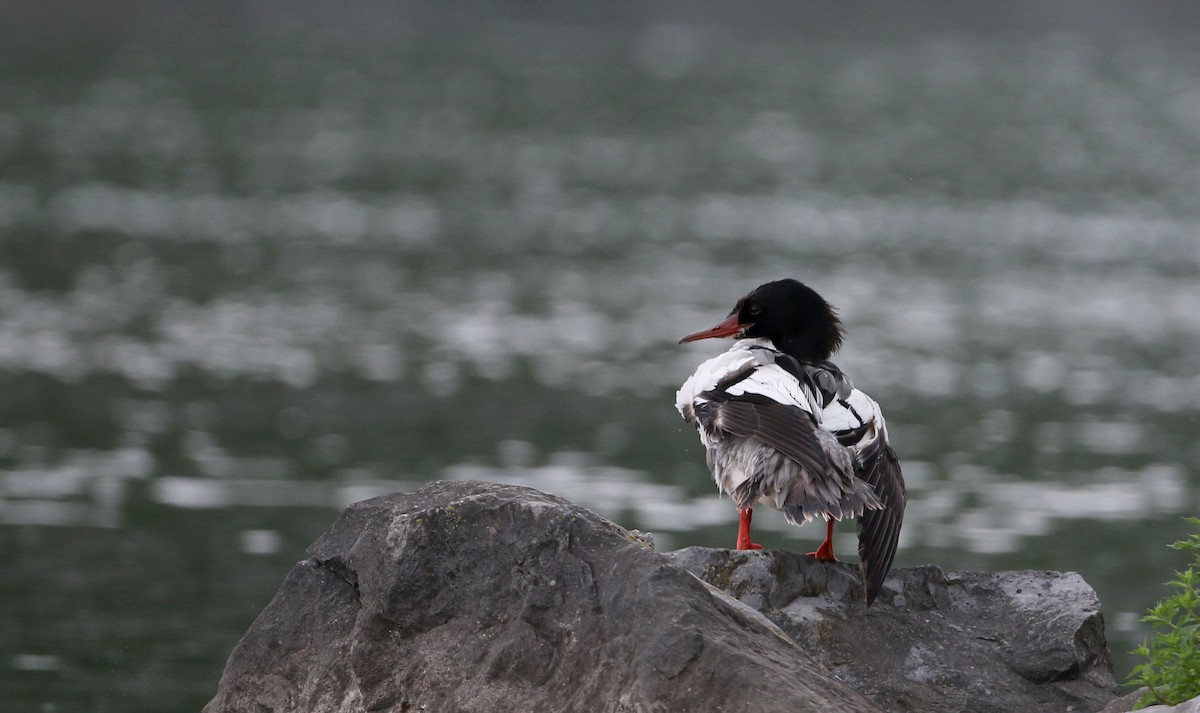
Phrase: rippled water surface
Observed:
(254, 270)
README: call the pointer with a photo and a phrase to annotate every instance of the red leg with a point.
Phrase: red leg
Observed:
(743, 541)
(825, 551)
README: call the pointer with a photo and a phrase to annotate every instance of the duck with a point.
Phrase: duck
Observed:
(782, 425)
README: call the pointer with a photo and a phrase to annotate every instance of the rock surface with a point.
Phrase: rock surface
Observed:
(468, 596)
(1126, 703)
(933, 641)
(1192, 706)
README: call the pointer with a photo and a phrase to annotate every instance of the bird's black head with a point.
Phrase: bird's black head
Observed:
(792, 315)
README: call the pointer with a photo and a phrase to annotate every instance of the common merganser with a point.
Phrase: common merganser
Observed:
(783, 425)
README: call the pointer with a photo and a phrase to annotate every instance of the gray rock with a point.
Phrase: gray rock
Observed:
(933, 641)
(1125, 703)
(1192, 706)
(468, 596)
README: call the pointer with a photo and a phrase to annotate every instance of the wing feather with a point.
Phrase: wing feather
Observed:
(787, 429)
(879, 530)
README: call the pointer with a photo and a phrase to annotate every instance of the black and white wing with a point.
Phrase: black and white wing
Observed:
(879, 530)
(858, 424)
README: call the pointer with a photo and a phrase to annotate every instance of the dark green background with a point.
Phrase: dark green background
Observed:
(260, 260)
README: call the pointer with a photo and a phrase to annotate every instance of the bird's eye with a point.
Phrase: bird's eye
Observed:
(755, 310)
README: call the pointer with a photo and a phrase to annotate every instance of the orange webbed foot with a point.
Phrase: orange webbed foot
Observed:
(825, 551)
(743, 538)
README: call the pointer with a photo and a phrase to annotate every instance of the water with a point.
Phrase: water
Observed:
(256, 268)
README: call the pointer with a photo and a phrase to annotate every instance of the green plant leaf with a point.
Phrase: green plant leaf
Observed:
(1171, 670)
